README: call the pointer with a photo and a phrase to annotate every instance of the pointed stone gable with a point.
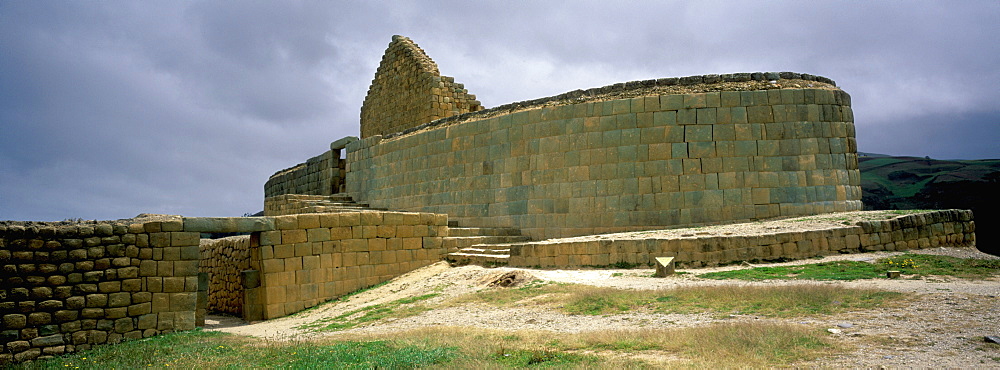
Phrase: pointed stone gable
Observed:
(408, 90)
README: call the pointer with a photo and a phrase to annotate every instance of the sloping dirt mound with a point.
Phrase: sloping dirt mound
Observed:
(439, 278)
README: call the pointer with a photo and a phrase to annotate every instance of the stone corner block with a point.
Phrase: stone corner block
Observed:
(664, 266)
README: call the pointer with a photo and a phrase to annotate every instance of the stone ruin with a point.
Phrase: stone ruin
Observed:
(575, 180)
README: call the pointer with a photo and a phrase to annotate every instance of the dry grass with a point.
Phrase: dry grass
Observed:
(725, 345)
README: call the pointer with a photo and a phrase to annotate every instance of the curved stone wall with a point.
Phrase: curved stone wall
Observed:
(668, 158)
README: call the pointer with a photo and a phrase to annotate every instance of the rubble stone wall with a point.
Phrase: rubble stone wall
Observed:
(68, 286)
(622, 165)
(223, 260)
(948, 228)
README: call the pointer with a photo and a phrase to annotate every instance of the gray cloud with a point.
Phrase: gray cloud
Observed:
(109, 109)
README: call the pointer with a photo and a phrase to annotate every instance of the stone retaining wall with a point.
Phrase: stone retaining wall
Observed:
(949, 228)
(623, 165)
(312, 258)
(290, 204)
(320, 175)
(66, 287)
(223, 260)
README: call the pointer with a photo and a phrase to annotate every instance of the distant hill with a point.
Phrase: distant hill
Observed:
(922, 183)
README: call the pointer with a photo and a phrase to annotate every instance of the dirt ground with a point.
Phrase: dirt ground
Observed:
(944, 328)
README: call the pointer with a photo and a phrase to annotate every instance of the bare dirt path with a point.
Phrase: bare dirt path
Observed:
(944, 328)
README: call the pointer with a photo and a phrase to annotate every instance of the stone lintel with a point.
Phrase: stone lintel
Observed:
(228, 224)
(342, 143)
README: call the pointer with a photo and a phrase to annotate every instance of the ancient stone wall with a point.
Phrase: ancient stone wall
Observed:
(312, 258)
(408, 90)
(320, 175)
(68, 286)
(949, 228)
(666, 158)
(224, 260)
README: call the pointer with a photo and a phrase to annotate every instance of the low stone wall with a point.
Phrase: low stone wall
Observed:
(312, 258)
(320, 175)
(290, 204)
(223, 260)
(950, 228)
(68, 286)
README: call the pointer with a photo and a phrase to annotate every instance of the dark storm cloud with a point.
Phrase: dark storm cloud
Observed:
(108, 109)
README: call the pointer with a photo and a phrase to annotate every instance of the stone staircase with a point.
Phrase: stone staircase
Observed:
(298, 203)
(485, 246)
(480, 245)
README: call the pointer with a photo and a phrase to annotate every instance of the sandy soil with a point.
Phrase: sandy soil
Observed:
(944, 328)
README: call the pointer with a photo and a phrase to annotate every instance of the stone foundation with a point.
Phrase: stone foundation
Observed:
(711, 247)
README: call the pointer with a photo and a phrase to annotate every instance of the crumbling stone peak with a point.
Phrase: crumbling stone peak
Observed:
(408, 90)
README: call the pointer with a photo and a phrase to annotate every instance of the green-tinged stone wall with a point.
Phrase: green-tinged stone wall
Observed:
(619, 165)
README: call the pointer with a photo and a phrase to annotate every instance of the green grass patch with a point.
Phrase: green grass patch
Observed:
(396, 309)
(724, 345)
(518, 358)
(201, 349)
(779, 301)
(909, 264)
(836, 270)
(775, 301)
(926, 264)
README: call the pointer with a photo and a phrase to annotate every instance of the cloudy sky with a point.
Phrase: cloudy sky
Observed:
(113, 108)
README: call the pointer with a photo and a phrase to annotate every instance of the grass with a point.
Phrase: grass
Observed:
(775, 301)
(726, 345)
(836, 270)
(201, 349)
(343, 298)
(396, 309)
(722, 345)
(908, 264)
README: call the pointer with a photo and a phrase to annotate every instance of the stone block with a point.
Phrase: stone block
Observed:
(318, 235)
(289, 222)
(181, 302)
(173, 284)
(697, 133)
(308, 221)
(294, 236)
(120, 299)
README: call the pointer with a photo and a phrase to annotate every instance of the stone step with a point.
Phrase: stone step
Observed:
(338, 209)
(458, 242)
(483, 231)
(485, 249)
(338, 204)
(477, 259)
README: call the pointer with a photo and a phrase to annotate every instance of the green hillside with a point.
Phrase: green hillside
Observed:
(922, 183)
